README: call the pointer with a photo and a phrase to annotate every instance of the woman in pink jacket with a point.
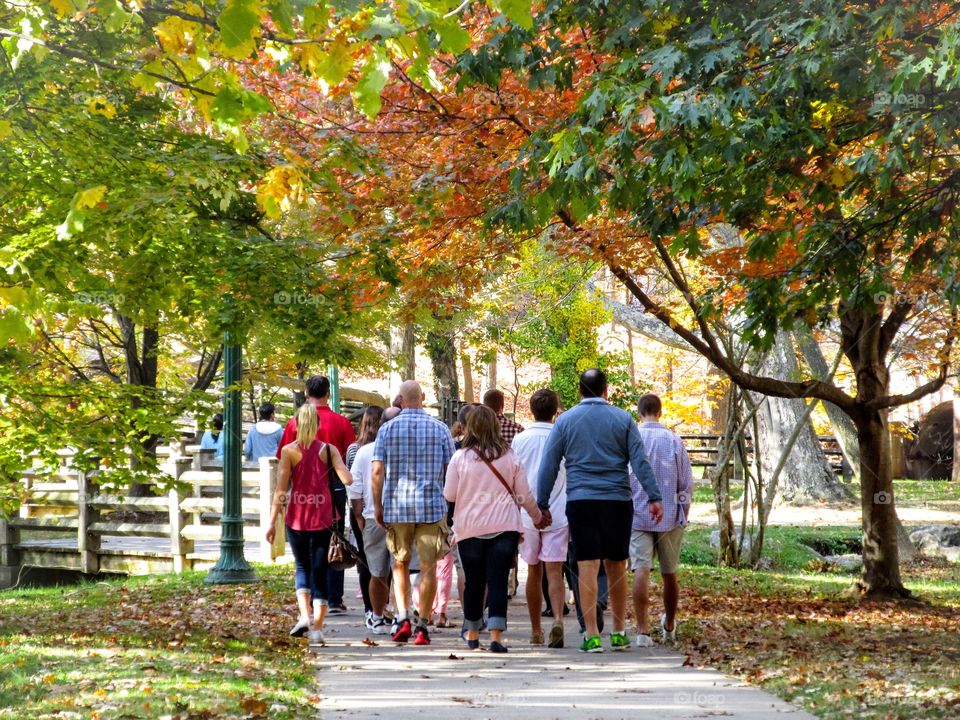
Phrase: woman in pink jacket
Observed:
(486, 485)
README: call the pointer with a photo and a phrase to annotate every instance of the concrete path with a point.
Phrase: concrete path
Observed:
(446, 680)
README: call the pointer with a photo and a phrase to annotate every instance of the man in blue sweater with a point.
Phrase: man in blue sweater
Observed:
(598, 442)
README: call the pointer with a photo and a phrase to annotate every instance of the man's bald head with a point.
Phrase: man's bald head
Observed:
(411, 394)
(389, 414)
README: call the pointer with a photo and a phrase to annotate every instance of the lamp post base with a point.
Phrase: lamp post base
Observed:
(229, 571)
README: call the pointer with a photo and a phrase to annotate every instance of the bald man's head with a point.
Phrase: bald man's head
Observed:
(411, 394)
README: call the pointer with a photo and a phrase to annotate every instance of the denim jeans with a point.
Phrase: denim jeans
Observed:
(362, 570)
(309, 548)
(486, 567)
(335, 577)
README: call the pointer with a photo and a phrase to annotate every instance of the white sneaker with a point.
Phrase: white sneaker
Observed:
(379, 626)
(667, 635)
(368, 621)
(315, 637)
(644, 641)
(300, 629)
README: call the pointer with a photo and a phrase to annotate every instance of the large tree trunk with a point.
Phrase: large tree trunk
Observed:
(843, 427)
(807, 476)
(881, 551)
(142, 365)
(443, 355)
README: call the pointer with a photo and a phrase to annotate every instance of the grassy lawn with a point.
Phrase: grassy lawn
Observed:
(153, 647)
(932, 494)
(797, 630)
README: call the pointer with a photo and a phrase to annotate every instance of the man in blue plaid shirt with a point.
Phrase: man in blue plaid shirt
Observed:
(409, 468)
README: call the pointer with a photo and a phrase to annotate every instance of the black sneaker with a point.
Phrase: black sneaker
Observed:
(340, 609)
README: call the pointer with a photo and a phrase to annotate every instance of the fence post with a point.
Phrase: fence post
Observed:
(25, 505)
(179, 546)
(88, 544)
(203, 457)
(268, 485)
(9, 556)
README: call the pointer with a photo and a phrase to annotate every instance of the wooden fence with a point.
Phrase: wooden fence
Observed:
(70, 521)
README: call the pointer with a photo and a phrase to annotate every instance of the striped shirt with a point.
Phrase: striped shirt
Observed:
(671, 466)
(415, 450)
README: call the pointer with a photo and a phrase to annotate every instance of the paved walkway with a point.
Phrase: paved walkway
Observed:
(446, 680)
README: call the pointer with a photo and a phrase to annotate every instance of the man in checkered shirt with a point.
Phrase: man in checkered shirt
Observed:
(509, 429)
(409, 468)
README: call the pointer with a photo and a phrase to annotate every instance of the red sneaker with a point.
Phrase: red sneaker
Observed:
(422, 636)
(403, 632)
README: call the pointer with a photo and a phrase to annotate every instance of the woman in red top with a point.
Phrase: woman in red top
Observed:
(305, 466)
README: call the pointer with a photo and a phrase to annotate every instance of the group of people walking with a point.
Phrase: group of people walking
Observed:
(581, 493)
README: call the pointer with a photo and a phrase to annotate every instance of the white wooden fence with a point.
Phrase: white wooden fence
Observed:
(70, 522)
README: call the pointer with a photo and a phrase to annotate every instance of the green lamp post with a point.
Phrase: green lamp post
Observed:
(232, 567)
(333, 374)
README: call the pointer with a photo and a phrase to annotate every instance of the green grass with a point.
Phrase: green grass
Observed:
(933, 494)
(784, 547)
(153, 647)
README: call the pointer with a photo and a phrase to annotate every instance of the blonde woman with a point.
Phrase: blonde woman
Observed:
(305, 466)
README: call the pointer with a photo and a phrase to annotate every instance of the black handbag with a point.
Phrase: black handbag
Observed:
(342, 555)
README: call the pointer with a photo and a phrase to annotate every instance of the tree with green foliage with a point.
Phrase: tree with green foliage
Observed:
(823, 133)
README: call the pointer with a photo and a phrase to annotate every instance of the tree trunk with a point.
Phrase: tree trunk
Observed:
(443, 355)
(468, 393)
(843, 427)
(408, 353)
(881, 552)
(142, 364)
(807, 476)
(492, 373)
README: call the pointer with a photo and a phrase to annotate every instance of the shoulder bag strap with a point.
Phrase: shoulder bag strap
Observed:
(500, 477)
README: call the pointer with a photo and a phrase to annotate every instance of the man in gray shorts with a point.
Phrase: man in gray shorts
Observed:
(671, 467)
(379, 562)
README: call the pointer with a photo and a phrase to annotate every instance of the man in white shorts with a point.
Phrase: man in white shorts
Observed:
(671, 467)
(379, 562)
(546, 547)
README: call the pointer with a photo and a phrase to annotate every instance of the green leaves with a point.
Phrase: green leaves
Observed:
(234, 105)
(518, 11)
(376, 72)
(237, 22)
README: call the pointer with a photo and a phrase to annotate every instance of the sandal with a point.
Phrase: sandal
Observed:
(443, 622)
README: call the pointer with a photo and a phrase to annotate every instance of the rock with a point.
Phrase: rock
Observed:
(938, 541)
(715, 540)
(851, 562)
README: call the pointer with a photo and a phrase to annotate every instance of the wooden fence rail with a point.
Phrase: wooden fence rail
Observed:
(71, 520)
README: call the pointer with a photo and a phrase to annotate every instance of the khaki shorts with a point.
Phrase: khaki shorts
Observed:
(430, 538)
(666, 544)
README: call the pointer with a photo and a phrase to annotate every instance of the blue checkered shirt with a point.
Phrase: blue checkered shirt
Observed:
(415, 450)
(671, 466)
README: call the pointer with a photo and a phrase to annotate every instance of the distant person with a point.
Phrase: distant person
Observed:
(213, 439)
(409, 466)
(509, 429)
(305, 467)
(335, 429)
(487, 485)
(547, 547)
(598, 442)
(263, 438)
(671, 466)
(374, 566)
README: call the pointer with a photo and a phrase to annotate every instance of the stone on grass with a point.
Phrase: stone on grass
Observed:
(850, 562)
(938, 541)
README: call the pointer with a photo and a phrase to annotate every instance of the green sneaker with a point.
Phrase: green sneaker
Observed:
(591, 644)
(619, 641)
